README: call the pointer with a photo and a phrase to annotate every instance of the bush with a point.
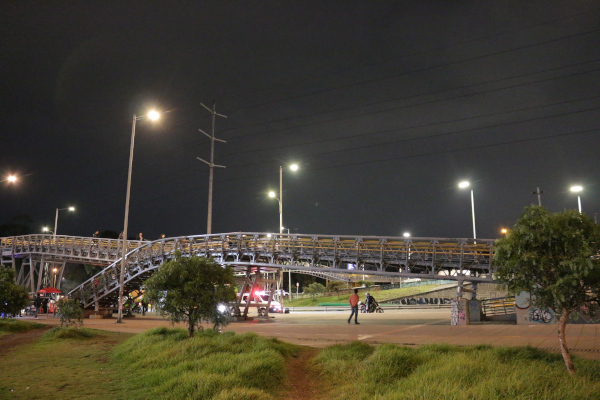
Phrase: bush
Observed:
(70, 333)
(13, 325)
(70, 312)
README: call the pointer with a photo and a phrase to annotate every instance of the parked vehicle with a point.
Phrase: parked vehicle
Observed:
(261, 303)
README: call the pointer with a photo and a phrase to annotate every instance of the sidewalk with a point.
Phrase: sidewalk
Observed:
(405, 327)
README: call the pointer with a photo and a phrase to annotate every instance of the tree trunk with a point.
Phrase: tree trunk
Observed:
(562, 327)
(190, 329)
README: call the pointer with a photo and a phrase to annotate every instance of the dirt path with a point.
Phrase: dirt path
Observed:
(18, 338)
(304, 381)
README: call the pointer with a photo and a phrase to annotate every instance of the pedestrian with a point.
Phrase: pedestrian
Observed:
(354, 304)
(95, 241)
(141, 237)
(162, 236)
(36, 305)
(121, 235)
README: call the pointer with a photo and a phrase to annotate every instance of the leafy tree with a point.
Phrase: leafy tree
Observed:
(314, 289)
(555, 258)
(336, 286)
(12, 296)
(365, 283)
(69, 312)
(190, 289)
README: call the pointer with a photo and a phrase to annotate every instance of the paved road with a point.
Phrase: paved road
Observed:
(405, 327)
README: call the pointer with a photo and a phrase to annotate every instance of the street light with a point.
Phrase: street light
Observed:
(46, 229)
(577, 189)
(11, 178)
(153, 116)
(56, 218)
(504, 231)
(294, 168)
(464, 185)
(55, 270)
(406, 234)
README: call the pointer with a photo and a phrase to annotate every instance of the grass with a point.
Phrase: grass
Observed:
(10, 325)
(66, 363)
(360, 371)
(210, 365)
(381, 296)
(81, 363)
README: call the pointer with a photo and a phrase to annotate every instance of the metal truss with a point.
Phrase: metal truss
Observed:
(428, 258)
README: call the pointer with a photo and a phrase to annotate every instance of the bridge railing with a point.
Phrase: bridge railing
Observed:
(70, 247)
(332, 254)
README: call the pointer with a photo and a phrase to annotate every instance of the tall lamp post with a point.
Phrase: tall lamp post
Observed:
(293, 167)
(153, 116)
(464, 185)
(56, 218)
(577, 189)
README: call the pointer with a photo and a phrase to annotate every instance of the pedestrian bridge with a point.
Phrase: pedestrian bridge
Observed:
(251, 255)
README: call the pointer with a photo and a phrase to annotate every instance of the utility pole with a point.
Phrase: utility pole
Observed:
(211, 164)
(539, 195)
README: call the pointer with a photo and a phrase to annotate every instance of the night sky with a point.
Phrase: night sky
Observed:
(385, 105)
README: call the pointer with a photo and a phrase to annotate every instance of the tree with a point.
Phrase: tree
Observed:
(314, 289)
(555, 258)
(365, 283)
(189, 289)
(336, 286)
(12, 296)
(70, 312)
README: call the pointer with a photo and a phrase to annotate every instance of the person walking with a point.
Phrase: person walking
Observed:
(354, 304)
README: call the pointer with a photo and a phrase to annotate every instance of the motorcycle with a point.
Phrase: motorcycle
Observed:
(374, 307)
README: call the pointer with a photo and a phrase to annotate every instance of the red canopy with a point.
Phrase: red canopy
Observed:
(49, 290)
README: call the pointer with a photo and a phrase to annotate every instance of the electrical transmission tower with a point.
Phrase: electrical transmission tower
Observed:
(211, 164)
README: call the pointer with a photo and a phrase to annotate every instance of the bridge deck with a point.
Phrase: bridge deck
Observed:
(251, 252)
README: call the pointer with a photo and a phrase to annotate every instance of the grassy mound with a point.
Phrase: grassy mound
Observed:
(70, 333)
(209, 365)
(359, 371)
(9, 325)
(381, 295)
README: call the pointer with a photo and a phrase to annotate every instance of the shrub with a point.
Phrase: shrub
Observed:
(70, 312)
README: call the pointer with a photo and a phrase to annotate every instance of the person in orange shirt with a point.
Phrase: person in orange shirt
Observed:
(354, 304)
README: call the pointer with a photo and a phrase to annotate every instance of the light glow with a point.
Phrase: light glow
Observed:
(71, 208)
(272, 194)
(464, 184)
(294, 167)
(12, 178)
(153, 115)
(576, 188)
(406, 234)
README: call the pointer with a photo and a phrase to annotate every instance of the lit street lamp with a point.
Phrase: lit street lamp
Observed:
(153, 116)
(46, 229)
(406, 234)
(11, 179)
(56, 218)
(464, 185)
(577, 189)
(55, 270)
(294, 168)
